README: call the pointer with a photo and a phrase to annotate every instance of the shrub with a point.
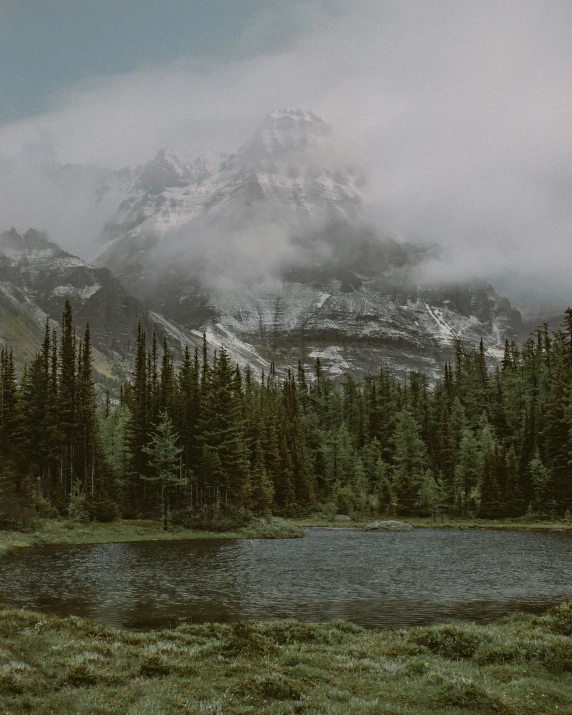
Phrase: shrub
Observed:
(345, 499)
(77, 509)
(464, 693)
(294, 511)
(330, 510)
(557, 620)
(104, 511)
(499, 652)
(286, 632)
(275, 529)
(556, 656)
(10, 523)
(44, 508)
(209, 520)
(11, 680)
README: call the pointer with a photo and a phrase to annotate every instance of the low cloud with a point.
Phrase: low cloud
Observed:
(459, 113)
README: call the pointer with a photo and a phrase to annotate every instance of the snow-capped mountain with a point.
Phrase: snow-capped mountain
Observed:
(270, 247)
(286, 174)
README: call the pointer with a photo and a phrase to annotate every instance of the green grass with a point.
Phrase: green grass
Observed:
(519, 665)
(61, 531)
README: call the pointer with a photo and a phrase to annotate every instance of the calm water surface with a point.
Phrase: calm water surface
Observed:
(373, 579)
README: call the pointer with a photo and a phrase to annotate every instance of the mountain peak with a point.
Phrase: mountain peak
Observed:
(14, 244)
(287, 136)
(294, 114)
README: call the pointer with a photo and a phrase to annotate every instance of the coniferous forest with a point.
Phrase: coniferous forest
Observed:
(202, 442)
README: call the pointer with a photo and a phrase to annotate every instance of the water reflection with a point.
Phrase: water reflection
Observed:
(370, 578)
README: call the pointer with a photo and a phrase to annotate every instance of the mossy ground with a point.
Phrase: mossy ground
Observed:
(61, 531)
(519, 665)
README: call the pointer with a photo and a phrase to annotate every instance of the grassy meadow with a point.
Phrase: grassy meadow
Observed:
(521, 664)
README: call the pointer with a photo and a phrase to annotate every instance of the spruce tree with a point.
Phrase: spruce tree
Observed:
(260, 487)
(164, 463)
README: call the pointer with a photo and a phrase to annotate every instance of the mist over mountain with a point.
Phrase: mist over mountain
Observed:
(272, 251)
(274, 246)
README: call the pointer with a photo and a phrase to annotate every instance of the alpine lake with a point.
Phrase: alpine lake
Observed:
(372, 579)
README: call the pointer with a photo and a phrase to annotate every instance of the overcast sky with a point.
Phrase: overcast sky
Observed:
(459, 111)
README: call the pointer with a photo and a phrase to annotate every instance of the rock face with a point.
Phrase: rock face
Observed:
(356, 329)
(388, 526)
(270, 249)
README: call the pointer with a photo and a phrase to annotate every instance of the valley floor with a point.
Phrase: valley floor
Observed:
(520, 665)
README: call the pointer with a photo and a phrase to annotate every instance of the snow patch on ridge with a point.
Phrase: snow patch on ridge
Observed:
(444, 327)
(83, 293)
(322, 298)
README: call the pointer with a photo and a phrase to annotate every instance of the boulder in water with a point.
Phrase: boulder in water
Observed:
(387, 526)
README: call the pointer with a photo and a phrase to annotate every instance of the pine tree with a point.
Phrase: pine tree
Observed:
(164, 465)
(540, 477)
(490, 506)
(222, 427)
(467, 471)
(406, 491)
(260, 491)
(67, 399)
(86, 417)
(428, 501)
(410, 456)
(138, 428)
(515, 504)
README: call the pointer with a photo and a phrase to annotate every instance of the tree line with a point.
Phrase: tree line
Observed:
(203, 440)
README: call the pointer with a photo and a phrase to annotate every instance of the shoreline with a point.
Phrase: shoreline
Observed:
(520, 664)
(518, 524)
(60, 531)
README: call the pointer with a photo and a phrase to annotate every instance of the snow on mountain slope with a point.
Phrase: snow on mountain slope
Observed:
(156, 192)
(360, 329)
(217, 336)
